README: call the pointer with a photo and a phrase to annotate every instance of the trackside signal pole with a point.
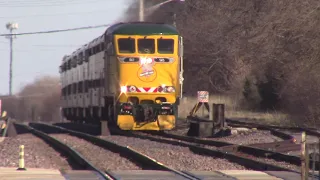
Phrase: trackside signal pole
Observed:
(11, 26)
(141, 10)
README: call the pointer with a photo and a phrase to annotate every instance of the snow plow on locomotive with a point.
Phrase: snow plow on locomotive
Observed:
(130, 76)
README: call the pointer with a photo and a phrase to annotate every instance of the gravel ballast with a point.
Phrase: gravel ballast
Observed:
(245, 138)
(261, 159)
(99, 157)
(37, 153)
(251, 137)
(177, 157)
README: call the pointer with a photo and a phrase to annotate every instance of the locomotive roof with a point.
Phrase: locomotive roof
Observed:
(130, 28)
(142, 28)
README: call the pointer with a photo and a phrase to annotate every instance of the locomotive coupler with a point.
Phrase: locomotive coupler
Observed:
(145, 113)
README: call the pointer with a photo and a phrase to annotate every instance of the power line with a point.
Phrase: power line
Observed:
(56, 31)
(48, 45)
(35, 1)
(30, 50)
(49, 15)
(44, 4)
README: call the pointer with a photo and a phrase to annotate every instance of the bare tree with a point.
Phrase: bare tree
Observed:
(271, 46)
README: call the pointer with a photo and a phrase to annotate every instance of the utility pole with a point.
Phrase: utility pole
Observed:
(11, 26)
(174, 19)
(141, 10)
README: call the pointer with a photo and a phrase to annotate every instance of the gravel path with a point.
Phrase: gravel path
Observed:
(99, 157)
(180, 158)
(37, 153)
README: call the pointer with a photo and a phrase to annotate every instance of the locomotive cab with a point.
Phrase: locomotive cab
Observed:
(146, 69)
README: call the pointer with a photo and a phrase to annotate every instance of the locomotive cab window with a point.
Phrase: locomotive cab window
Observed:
(165, 46)
(126, 45)
(146, 46)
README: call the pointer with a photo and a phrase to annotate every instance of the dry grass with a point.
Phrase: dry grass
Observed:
(233, 110)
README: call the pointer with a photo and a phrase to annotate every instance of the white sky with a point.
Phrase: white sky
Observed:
(38, 55)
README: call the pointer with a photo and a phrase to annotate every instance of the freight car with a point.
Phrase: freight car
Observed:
(131, 76)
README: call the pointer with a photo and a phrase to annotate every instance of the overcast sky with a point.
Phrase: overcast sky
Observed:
(38, 55)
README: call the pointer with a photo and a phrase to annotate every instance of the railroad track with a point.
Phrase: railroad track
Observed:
(241, 154)
(65, 149)
(146, 162)
(244, 155)
(313, 137)
(309, 131)
(275, 150)
(214, 149)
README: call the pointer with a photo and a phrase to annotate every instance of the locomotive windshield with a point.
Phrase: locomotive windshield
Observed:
(126, 45)
(165, 46)
(146, 46)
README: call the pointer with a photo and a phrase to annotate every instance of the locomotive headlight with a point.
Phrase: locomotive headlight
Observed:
(166, 89)
(123, 89)
(170, 89)
(132, 89)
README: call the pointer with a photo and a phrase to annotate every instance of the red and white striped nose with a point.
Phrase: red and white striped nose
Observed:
(147, 89)
(159, 89)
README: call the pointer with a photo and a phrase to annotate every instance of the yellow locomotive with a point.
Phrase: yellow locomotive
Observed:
(130, 76)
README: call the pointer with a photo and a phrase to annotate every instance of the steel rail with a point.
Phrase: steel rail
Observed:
(230, 147)
(77, 157)
(249, 163)
(125, 151)
(309, 131)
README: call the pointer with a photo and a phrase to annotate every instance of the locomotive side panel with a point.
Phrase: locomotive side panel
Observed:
(99, 78)
(68, 95)
(86, 86)
(79, 85)
(74, 84)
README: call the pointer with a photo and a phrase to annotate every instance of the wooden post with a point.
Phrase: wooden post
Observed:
(307, 162)
(314, 161)
(212, 112)
(212, 116)
(319, 157)
(303, 151)
(203, 110)
(221, 115)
